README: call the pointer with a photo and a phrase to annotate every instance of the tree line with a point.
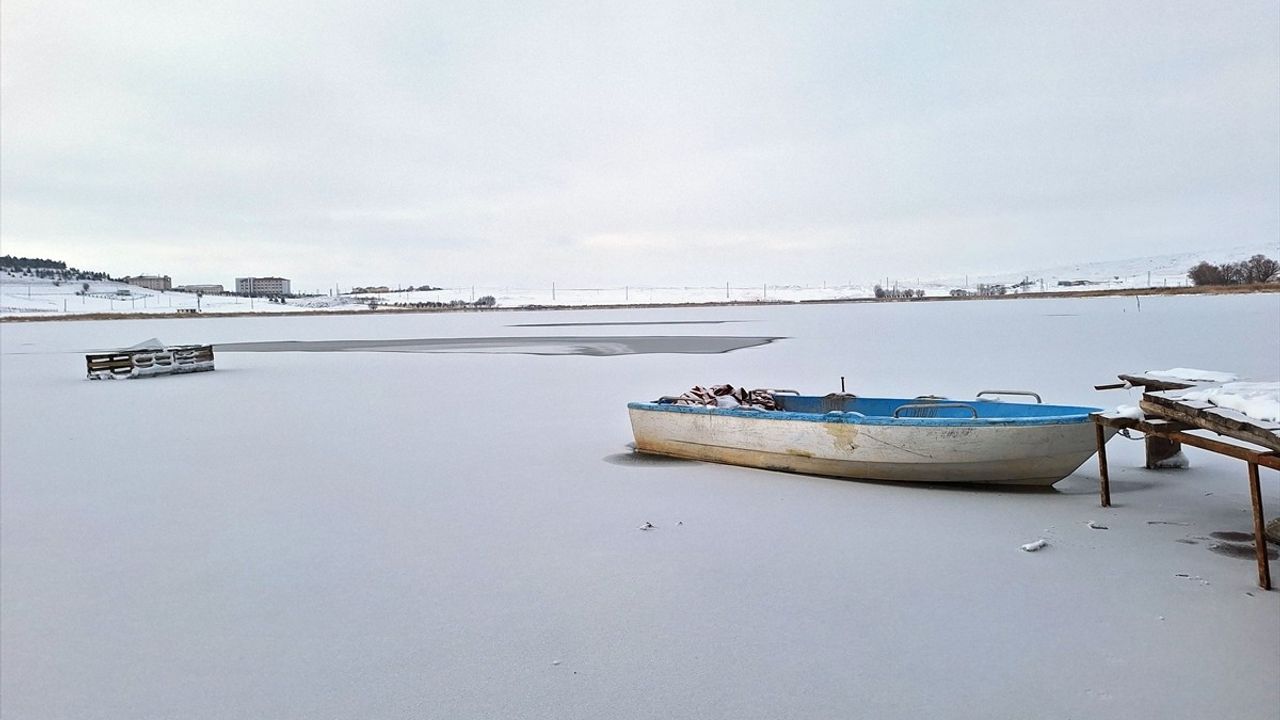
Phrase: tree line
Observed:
(480, 302)
(1257, 269)
(18, 264)
(55, 270)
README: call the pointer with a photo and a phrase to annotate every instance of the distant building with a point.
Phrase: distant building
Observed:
(150, 282)
(262, 286)
(206, 289)
(371, 289)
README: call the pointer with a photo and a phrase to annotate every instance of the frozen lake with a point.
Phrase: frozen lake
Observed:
(436, 516)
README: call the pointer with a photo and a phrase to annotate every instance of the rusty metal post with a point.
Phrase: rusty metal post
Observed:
(1259, 530)
(1104, 485)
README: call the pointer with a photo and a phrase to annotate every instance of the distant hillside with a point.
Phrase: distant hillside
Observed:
(47, 269)
(1168, 270)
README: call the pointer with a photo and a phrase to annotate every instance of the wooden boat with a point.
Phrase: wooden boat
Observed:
(924, 439)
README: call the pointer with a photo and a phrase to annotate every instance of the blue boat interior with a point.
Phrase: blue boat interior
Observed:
(922, 407)
(909, 411)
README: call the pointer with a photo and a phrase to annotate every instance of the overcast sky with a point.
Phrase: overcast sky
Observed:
(586, 143)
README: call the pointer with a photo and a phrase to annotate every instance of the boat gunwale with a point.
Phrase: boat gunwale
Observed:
(1082, 416)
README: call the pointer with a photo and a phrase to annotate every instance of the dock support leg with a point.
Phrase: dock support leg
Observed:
(1259, 529)
(1160, 449)
(1104, 485)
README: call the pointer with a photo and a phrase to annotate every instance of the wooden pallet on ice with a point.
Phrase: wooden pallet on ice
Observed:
(149, 362)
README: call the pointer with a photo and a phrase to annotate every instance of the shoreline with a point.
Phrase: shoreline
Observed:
(1118, 292)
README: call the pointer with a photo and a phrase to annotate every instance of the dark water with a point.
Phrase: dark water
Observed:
(1236, 544)
(1244, 552)
(598, 345)
(627, 322)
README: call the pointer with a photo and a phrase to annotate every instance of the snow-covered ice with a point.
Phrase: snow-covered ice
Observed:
(374, 533)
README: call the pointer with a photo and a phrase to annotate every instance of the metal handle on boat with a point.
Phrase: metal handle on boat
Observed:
(1012, 392)
(933, 406)
(773, 391)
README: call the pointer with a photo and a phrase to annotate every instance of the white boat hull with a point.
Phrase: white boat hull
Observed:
(1039, 454)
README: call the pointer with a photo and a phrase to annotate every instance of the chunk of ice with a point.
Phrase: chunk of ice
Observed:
(1034, 546)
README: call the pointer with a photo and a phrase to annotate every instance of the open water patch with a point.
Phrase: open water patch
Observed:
(1240, 550)
(597, 345)
(1232, 536)
(627, 322)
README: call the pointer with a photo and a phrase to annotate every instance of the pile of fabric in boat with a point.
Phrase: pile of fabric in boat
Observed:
(727, 396)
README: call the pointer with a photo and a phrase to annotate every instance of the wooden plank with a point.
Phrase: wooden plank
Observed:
(1234, 425)
(1153, 427)
(1148, 425)
(1154, 383)
(1208, 407)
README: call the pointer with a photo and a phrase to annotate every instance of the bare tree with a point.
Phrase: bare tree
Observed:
(1206, 274)
(1260, 269)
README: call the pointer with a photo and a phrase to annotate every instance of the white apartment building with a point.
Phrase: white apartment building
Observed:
(262, 286)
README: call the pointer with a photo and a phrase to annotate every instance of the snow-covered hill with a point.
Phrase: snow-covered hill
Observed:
(27, 295)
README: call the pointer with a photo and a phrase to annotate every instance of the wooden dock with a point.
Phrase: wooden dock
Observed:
(1170, 422)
